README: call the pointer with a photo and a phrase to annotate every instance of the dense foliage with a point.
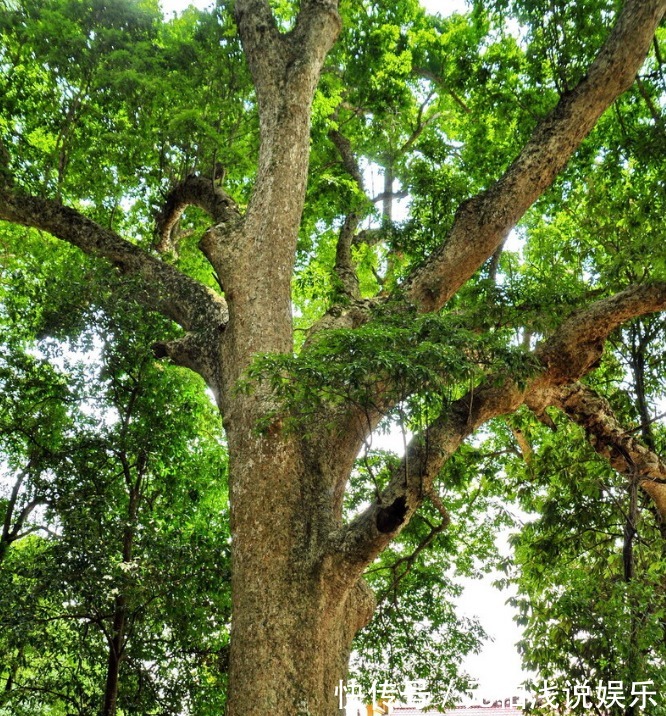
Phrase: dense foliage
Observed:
(114, 556)
(116, 532)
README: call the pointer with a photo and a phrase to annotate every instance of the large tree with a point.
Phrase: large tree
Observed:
(411, 322)
(114, 547)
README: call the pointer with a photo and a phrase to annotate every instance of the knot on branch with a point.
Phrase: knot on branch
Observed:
(390, 518)
(196, 351)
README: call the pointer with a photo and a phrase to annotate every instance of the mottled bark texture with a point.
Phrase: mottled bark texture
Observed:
(298, 593)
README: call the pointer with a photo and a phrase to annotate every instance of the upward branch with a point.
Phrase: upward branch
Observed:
(285, 69)
(264, 47)
(483, 222)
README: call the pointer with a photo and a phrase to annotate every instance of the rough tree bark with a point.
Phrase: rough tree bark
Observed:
(297, 587)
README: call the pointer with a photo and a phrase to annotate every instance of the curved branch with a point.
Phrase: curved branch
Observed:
(482, 223)
(196, 351)
(163, 288)
(193, 191)
(577, 345)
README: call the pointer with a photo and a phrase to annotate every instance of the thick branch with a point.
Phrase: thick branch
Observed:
(285, 69)
(358, 543)
(164, 288)
(316, 29)
(272, 55)
(624, 452)
(577, 345)
(263, 45)
(483, 222)
(573, 350)
(193, 351)
(344, 265)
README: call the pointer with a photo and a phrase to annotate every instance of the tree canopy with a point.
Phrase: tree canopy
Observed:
(328, 220)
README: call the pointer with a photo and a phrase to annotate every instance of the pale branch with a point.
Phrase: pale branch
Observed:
(344, 265)
(438, 80)
(572, 351)
(38, 528)
(199, 191)
(162, 287)
(482, 223)
(285, 69)
(524, 448)
(625, 453)
(421, 126)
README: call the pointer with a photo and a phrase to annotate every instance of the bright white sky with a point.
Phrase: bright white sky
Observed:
(497, 668)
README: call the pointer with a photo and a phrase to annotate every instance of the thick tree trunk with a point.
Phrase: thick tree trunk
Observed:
(290, 645)
(297, 601)
(291, 626)
(292, 622)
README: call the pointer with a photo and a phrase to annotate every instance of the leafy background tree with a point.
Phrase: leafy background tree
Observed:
(117, 592)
